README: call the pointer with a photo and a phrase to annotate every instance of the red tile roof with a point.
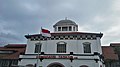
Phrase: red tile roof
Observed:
(109, 53)
(17, 50)
(15, 45)
(114, 44)
(68, 33)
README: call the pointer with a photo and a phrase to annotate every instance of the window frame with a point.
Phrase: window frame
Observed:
(65, 28)
(70, 28)
(59, 28)
(61, 47)
(38, 47)
(87, 47)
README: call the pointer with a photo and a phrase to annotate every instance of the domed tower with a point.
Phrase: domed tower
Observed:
(65, 26)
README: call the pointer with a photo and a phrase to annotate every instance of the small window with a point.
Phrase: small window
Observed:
(87, 47)
(61, 47)
(70, 28)
(38, 47)
(64, 28)
(59, 28)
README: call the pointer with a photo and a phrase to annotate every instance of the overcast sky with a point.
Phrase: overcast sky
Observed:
(21, 17)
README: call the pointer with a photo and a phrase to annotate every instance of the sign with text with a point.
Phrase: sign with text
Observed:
(57, 57)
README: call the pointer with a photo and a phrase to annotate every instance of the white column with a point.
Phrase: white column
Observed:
(72, 28)
(67, 28)
(57, 28)
(75, 28)
(61, 28)
(99, 45)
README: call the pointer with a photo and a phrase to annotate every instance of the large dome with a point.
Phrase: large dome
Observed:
(65, 22)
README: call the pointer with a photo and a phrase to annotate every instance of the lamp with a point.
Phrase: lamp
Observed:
(71, 58)
(41, 58)
(42, 53)
(96, 53)
(71, 53)
(96, 60)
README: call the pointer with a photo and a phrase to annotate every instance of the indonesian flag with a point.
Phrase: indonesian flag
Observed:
(45, 32)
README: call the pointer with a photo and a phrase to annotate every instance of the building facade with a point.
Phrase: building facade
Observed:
(65, 48)
(111, 59)
(111, 55)
(9, 54)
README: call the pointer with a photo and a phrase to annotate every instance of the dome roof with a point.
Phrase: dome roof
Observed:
(65, 22)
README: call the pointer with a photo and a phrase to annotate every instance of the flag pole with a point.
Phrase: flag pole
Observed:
(45, 33)
(38, 53)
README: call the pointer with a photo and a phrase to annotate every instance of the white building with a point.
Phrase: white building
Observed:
(65, 48)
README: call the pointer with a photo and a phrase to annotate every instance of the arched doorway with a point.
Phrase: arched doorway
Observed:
(56, 64)
(84, 66)
(29, 65)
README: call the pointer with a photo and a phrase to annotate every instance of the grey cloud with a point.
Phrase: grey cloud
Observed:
(8, 37)
(21, 17)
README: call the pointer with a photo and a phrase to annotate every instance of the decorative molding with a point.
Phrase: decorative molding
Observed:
(67, 37)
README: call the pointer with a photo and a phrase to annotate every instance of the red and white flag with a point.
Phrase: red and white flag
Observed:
(45, 32)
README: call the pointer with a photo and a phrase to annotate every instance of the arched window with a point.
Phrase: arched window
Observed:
(29, 65)
(84, 66)
(87, 47)
(61, 47)
(38, 47)
(64, 28)
(55, 64)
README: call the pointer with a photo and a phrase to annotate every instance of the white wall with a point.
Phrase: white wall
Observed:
(76, 46)
(65, 62)
(50, 46)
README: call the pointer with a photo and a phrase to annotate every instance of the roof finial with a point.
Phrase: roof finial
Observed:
(65, 18)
